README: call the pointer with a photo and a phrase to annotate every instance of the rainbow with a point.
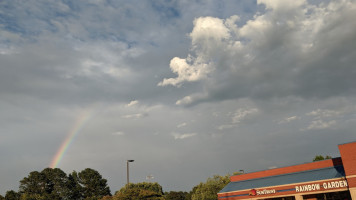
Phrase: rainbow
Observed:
(77, 127)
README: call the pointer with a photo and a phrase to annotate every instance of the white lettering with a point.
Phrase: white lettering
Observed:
(301, 189)
(325, 186)
(317, 187)
(304, 188)
(334, 184)
(310, 187)
(262, 192)
(337, 184)
(345, 183)
(341, 184)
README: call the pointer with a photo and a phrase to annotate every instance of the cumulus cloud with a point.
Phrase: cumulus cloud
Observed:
(294, 48)
(187, 70)
(208, 37)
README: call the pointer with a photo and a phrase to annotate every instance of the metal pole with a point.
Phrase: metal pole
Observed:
(128, 172)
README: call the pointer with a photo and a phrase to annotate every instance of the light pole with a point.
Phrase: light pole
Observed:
(127, 167)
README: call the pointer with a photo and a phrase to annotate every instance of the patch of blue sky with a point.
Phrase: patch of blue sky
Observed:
(9, 24)
(166, 10)
(30, 21)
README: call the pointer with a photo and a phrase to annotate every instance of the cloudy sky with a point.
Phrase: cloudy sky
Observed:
(186, 88)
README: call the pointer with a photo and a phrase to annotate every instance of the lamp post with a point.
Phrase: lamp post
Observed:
(127, 167)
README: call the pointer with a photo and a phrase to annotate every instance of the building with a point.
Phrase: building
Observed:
(332, 179)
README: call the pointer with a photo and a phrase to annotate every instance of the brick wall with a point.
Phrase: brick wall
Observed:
(348, 156)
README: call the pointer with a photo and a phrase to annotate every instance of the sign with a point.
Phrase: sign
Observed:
(317, 186)
(254, 192)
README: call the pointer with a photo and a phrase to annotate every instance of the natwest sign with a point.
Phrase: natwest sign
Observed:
(255, 192)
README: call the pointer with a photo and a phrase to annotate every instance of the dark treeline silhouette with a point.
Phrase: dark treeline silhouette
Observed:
(88, 184)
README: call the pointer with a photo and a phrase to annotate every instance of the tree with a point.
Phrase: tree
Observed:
(54, 184)
(91, 184)
(320, 157)
(209, 189)
(47, 184)
(74, 188)
(173, 195)
(12, 195)
(139, 191)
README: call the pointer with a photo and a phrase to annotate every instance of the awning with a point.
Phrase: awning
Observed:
(283, 179)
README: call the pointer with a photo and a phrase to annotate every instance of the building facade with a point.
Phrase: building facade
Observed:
(332, 179)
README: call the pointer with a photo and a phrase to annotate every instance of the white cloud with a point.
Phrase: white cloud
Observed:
(243, 113)
(181, 125)
(323, 113)
(279, 52)
(282, 4)
(208, 38)
(186, 100)
(187, 70)
(181, 136)
(209, 30)
(132, 103)
(288, 119)
(135, 116)
(320, 124)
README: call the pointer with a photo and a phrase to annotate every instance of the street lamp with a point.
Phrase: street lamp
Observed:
(127, 167)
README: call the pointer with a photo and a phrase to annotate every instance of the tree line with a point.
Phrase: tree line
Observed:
(88, 184)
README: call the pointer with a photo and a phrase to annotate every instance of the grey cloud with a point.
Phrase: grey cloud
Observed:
(273, 58)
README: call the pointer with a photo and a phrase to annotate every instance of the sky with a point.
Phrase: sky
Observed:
(186, 88)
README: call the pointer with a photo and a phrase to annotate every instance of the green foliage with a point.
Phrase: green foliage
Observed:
(50, 184)
(320, 157)
(107, 198)
(209, 189)
(90, 184)
(12, 195)
(54, 184)
(173, 195)
(138, 191)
